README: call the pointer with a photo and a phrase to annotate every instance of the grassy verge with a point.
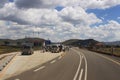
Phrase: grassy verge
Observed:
(116, 51)
(8, 49)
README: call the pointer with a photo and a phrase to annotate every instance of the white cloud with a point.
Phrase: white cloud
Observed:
(37, 3)
(2, 2)
(71, 22)
(107, 32)
(53, 3)
(47, 17)
(77, 15)
(12, 30)
(100, 4)
(29, 16)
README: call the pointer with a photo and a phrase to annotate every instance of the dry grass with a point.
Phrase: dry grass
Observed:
(116, 51)
(8, 49)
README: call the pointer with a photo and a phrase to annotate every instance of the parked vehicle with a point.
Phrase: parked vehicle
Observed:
(55, 49)
(27, 49)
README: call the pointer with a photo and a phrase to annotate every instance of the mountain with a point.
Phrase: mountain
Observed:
(2, 41)
(115, 43)
(71, 41)
(20, 41)
(29, 39)
(82, 43)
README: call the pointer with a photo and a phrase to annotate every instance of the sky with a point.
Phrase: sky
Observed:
(60, 20)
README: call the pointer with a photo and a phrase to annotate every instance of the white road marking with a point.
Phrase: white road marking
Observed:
(60, 57)
(17, 79)
(109, 59)
(81, 73)
(75, 77)
(53, 61)
(42, 67)
(85, 64)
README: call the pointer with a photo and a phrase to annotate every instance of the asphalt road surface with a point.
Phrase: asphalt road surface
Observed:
(77, 64)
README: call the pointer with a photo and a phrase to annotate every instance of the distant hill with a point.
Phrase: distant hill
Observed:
(116, 43)
(71, 41)
(2, 41)
(20, 41)
(83, 43)
(29, 39)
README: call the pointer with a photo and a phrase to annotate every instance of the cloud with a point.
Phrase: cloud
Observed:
(86, 4)
(12, 30)
(39, 18)
(47, 17)
(2, 2)
(29, 16)
(36, 3)
(77, 15)
(100, 4)
(107, 32)
(64, 31)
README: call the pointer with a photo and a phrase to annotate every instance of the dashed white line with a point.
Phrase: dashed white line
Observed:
(53, 61)
(60, 57)
(81, 73)
(42, 67)
(17, 79)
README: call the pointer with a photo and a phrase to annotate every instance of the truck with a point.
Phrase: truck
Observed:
(27, 49)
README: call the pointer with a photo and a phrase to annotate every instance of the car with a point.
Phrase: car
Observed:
(55, 49)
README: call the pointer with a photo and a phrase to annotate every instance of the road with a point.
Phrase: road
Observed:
(77, 64)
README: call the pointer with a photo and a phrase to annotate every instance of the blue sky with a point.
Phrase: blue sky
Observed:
(11, 0)
(59, 8)
(108, 14)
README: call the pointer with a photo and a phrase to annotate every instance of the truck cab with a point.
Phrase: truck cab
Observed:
(27, 49)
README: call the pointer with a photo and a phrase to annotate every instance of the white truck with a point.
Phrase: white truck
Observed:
(27, 49)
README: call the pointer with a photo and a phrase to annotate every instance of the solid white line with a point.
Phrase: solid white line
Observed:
(109, 59)
(85, 66)
(81, 73)
(75, 77)
(53, 61)
(42, 67)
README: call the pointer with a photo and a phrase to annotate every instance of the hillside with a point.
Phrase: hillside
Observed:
(116, 43)
(19, 41)
(83, 43)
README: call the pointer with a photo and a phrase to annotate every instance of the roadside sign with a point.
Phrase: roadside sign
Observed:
(47, 42)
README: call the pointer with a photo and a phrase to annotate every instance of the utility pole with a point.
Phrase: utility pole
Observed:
(112, 50)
